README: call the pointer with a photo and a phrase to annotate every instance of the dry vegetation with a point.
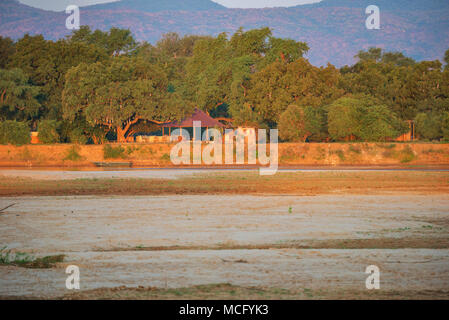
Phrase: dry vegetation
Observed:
(298, 183)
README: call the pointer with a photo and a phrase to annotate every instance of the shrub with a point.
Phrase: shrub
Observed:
(355, 149)
(379, 123)
(49, 131)
(344, 118)
(77, 136)
(165, 157)
(363, 117)
(339, 153)
(299, 123)
(113, 152)
(72, 154)
(407, 155)
(445, 125)
(429, 125)
(22, 259)
(13, 132)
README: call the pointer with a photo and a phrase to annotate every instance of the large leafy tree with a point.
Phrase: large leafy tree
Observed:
(430, 125)
(406, 88)
(301, 123)
(378, 55)
(18, 97)
(115, 41)
(171, 54)
(220, 70)
(120, 94)
(47, 62)
(281, 84)
(363, 117)
(446, 59)
(6, 51)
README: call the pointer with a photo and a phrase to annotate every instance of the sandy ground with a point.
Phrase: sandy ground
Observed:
(89, 173)
(113, 240)
(102, 174)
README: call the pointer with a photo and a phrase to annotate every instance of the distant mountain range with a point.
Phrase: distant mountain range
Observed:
(334, 29)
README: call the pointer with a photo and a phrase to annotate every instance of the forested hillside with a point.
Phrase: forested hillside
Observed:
(334, 29)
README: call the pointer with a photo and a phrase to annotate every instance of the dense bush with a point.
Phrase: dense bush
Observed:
(445, 125)
(292, 124)
(110, 152)
(72, 154)
(378, 123)
(344, 118)
(49, 131)
(363, 118)
(13, 132)
(77, 136)
(429, 126)
(300, 123)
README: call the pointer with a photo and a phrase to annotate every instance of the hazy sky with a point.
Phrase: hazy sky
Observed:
(60, 5)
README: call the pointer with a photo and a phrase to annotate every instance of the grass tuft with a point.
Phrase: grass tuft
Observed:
(72, 154)
(25, 260)
(111, 152)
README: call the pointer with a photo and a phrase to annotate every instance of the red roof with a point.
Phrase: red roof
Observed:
(198, 115)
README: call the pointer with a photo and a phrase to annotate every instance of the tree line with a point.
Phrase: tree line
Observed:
(94, 84)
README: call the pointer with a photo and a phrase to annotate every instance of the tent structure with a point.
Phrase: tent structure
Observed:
(198, 115)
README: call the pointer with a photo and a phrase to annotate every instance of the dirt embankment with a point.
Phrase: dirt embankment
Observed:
(290, 154)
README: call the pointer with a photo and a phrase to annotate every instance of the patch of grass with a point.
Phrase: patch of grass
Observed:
(308, 292)
(386, 146)
(111, 152)
(407, 155)
(165, 157)
(397, 230)
(72, 154)
(288, 154)
(25, 260)
(321, 153)
(130, 150)
(389, 154)
(339, 153)
(429, 151)
(355, 149)
(26, 155)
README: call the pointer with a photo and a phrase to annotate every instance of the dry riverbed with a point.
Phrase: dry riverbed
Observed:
(235, 246)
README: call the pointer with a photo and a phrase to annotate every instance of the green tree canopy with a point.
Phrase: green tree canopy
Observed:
(18, 98)
(429, 125)
(47, 62)
(297, 124)
(446, 59)
(281, 84)
(115, 42)
(362, 117)
(6, 51)
(220, 69)
(119, 94)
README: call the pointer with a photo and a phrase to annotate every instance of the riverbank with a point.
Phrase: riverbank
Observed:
(397, 155)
